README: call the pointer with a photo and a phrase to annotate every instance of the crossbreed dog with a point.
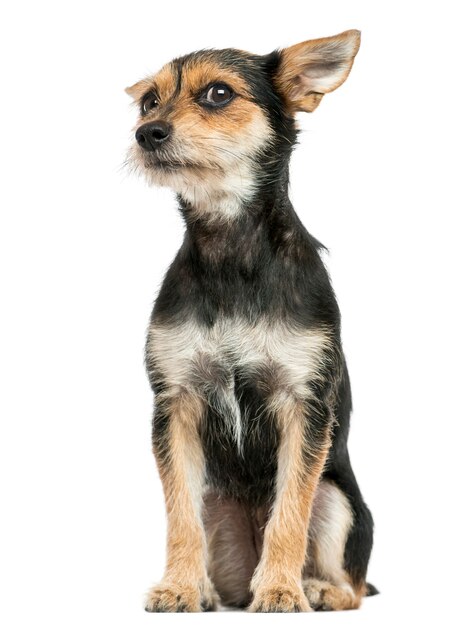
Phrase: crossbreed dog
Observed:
(252, 396)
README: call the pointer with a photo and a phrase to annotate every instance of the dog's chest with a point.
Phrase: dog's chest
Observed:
(244, 372)
(274, 356)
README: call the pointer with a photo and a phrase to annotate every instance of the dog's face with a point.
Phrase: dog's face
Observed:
(215, 125)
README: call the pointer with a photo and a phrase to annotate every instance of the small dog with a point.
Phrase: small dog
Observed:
(252, 395)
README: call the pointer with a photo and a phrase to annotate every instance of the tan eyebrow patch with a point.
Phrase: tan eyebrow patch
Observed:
(165, 82)
(196, 75)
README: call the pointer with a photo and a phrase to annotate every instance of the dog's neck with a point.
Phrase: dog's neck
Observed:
(267, 218)
(264, 262)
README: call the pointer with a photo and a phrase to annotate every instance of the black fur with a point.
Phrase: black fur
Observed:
(263, 263)
(339, 470)
(248, 476)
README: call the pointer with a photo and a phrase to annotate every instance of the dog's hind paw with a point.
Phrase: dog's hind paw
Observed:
(324, 596)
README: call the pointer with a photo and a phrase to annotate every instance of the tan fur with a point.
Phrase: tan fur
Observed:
(163, 83)
(216, 151)
(185, 584)
(206, 71)
(315, 67)
(324, 596)
(190, 355)
(253, 555)
(194, 78)
(326, 582)
(235, 535)
(276, 583)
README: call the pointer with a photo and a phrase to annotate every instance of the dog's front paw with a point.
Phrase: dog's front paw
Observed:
(174, 598)
(279, 599)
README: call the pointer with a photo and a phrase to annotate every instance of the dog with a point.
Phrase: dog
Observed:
(251, 391)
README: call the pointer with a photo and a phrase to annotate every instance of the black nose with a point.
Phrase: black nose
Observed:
(150, 136)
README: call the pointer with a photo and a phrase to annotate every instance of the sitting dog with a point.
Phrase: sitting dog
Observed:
(251, 391)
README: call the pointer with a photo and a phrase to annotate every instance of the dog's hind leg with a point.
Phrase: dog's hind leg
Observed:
(234, 537)
(340, 535)
(338, 549)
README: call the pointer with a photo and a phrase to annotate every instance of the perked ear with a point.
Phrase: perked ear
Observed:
(313, 68)
(139, 89)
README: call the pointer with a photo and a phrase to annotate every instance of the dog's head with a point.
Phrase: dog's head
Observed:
(217, 125)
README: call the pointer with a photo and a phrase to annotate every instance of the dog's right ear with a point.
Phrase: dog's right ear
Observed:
(313, 68)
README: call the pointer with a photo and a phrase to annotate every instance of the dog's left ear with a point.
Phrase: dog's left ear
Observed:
(139, 89)
(313, 68)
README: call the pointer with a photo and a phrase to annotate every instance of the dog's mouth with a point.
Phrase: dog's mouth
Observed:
(163, 164)
(172, 164)
(168, 165)
(155, 161)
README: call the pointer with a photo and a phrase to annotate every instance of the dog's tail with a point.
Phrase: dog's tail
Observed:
(371, 590)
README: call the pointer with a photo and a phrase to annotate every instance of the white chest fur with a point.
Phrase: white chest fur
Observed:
(177, 351)
(204, 359)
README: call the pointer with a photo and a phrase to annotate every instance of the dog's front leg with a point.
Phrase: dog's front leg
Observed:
(178, 452)
(277, 581)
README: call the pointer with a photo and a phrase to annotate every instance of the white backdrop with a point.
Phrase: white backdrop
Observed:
(383, 176)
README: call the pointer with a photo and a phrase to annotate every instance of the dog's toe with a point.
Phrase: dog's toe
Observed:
(169, 598)
(279, 600)
(324, 596)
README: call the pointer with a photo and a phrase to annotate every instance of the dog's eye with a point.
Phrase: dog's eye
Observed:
(149, 102)
(218, 95)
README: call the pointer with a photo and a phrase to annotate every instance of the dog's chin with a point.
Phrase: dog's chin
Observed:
(177, 176)
(170, 166)
(204, 185)
(152, 162)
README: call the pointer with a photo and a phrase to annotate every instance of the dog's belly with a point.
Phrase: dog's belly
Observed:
(243, 372)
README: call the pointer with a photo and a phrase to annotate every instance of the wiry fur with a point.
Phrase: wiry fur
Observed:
(252, 395)
(235, 538)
